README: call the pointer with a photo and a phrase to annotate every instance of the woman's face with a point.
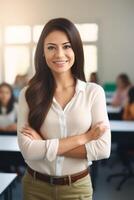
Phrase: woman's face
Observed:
(58, 52)
(120, 83)
(5, 95)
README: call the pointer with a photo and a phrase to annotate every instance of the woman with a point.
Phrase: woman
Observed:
(123, 84)
(8, 108)
(63, 123)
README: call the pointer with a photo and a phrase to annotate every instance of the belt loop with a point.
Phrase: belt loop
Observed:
(51, 180)
(69, 178)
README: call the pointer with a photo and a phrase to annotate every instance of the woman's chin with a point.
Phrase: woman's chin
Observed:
(61, 69)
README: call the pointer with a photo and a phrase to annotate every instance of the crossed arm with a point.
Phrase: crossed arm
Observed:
(93, 144)
(76, 147)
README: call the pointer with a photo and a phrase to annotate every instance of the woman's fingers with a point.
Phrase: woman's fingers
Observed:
(31, 133)
(28, 127)
(26, 130)
(28, 136)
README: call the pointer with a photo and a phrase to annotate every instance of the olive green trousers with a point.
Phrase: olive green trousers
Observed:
(34, 189)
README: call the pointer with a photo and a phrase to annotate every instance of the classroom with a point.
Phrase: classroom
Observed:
(66, 100)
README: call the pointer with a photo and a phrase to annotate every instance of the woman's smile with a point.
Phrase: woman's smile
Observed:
(60, 63)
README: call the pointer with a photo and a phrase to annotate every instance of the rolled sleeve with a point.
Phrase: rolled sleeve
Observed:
(33, 149)
(99, 149)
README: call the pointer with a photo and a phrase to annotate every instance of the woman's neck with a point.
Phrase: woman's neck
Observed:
(64, 81)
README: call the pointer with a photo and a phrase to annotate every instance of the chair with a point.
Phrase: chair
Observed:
(126, 153)
(109, 86)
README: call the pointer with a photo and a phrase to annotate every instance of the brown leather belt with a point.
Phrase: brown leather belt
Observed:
(55, 180)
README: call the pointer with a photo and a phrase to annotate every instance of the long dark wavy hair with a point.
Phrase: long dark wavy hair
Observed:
(12, 100)
(41, 87)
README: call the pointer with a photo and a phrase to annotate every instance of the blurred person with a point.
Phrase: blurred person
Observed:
(126, 147)
(62, 123)
(20, 82)
(123, 84)
(94, 77)
(8, 108)
(128, 111)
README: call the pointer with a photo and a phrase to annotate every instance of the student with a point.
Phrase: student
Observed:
(20, 82)
(126, 146)
(8, 108)
(62, 123)
(128, 113)
(123, 84)
(94, 77)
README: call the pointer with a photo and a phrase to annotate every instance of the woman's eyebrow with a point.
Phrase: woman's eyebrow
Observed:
(50, 43)
(66, 43)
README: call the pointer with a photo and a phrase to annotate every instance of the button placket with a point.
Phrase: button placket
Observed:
(60, 159)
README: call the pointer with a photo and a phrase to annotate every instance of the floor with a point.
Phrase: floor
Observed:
(107, 190)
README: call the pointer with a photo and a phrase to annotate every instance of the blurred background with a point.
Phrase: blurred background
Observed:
(107, 29)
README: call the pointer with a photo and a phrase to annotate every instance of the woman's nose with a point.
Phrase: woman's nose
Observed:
(59, 52)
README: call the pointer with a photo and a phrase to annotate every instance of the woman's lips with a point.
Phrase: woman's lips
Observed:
(60, 63)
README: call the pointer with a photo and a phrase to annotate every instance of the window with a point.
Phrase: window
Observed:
(17, 35)
(18, 43)
(90, 55)
(88, 32)
(89, 36)
(17, 61)
(17, 40)
(36, 32)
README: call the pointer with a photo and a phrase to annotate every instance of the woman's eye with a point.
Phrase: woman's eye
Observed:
(67, 46)
(50, 48)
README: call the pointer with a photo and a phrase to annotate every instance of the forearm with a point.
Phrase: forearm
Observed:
(70, 144)
(79, 152)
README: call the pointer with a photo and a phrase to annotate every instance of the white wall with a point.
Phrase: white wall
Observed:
(115, 19)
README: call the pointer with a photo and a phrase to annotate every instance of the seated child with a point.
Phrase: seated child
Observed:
(123, 84)
(128, 113)
(8, 108)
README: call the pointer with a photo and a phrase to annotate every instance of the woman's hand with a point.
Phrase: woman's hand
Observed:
(31, 133)
(97, 131)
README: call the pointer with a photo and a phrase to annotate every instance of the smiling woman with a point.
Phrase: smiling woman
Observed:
(58, 52)
(62, 123)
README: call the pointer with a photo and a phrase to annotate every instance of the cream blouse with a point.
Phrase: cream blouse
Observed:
(85, 109)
